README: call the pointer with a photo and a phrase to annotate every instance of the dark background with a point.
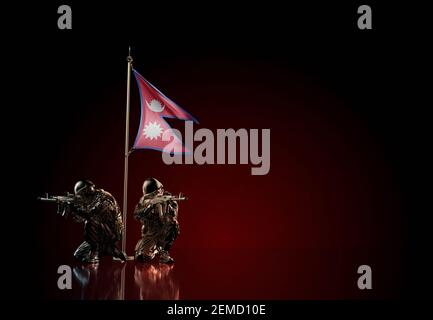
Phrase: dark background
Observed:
(347, 132)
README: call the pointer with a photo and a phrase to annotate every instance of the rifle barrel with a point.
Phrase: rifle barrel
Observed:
(47, 199)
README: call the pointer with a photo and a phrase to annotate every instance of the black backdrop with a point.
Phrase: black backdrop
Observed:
(348, 132)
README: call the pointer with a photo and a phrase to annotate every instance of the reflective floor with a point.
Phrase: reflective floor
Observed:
(108, 281)
(231, 274)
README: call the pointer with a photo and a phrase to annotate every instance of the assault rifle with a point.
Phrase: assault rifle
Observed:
(61, 201)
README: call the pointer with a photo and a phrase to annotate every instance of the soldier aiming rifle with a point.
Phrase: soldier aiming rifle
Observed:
(157, 211)
(102, 219)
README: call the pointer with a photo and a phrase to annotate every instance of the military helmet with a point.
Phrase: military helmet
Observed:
(151, 185)
(82, 185)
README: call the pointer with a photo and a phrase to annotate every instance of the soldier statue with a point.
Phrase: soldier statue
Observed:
(102, 219)
(102, 222)
(157, 211)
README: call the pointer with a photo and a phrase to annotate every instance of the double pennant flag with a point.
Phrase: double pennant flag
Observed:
(155, 106)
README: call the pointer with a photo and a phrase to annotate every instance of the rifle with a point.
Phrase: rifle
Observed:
(67, 199)
(166, 197)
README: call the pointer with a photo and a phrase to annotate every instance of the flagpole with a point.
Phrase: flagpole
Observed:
(125, 172)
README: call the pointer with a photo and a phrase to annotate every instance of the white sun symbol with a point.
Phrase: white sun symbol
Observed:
(155, 105)
(152, 130)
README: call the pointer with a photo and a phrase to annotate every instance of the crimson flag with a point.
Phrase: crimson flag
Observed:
(155, 106)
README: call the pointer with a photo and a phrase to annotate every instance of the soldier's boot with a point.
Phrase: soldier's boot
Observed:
(93, 257)
(117, 253)
(143, 253)
(165, 257)
(86, 254)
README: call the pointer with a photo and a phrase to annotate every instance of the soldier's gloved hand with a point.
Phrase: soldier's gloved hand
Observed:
(64, 209)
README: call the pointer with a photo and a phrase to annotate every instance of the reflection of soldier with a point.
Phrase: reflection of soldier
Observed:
(160, 226)
(156, 282)
(101, 282)
(102, 222)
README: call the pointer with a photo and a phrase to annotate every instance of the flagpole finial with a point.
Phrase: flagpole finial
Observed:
(129, 57)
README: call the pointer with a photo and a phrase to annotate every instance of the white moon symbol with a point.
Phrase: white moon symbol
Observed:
(155, 106)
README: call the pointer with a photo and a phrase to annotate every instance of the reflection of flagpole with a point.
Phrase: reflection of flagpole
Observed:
(122, 283)
(125, 172)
